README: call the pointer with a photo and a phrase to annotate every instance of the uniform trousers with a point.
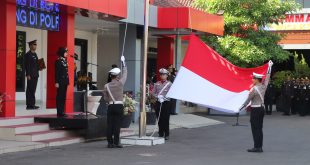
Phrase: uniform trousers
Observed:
(303, 108)
(61, 98)
(114, 117)
(30, 92)
(287, 104)
(295, 105)
(173, 103)
(268, 108)
(256, 119)
(164, 118)
(308, 107)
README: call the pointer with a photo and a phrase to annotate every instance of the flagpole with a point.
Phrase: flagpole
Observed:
(142, 126)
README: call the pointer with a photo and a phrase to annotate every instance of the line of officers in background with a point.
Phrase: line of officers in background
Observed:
(295, 97)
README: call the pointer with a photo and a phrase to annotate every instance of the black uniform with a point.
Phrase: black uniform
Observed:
(296, 100)
(62, 78)
(308, 99)
(303, 109)
(285, 101)
(32, 70)
(269, 98)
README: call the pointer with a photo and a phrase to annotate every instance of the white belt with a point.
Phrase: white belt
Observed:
(256, 106)
(116, 102)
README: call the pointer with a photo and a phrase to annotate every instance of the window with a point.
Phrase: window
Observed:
(304, 3)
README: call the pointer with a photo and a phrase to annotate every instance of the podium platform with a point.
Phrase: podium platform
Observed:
(88, 126)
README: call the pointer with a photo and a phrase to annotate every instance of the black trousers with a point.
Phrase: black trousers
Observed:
(164, 119)
(30, 91)
(61, 98)
(268, 107)
(173, 106)
(303, 108)
(295, 105)
(114, 117)
(256, 119)
(308, 107)
(287, 104)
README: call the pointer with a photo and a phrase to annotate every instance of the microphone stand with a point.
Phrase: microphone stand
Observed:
(86, 93)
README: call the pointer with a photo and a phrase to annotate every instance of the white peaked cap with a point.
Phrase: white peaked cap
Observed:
(163, 71)
(255, 75)
(115, 71)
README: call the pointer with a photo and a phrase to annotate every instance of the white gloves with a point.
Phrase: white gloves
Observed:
(123, 61)
(270, 63)
(161, 98)
(270, 66)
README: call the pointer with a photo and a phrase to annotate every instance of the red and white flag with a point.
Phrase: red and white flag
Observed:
(208, 79)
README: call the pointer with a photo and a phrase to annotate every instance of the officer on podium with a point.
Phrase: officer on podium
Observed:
(32, 75)
(61, 80)
(256, 97)
(113, 94)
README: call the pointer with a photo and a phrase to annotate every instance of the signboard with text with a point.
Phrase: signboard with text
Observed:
(292, 22)
(38, 14)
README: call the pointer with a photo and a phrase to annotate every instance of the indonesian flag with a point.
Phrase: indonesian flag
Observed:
(208, 79)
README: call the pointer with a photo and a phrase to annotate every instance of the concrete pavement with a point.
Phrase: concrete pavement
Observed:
(286, 142)
(177, 121)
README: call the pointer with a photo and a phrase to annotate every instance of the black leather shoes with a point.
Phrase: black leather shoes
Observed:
(110, 145)
(32, 107)
(62, 116)
(257, 150)
(167, 138)
(118, 146)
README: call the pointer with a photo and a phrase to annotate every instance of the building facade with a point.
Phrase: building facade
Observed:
(296, 31)
(94, 31)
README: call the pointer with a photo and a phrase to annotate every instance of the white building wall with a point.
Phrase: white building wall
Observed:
(108, 54)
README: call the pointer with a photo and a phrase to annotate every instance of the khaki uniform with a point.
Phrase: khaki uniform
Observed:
(116, 88)
(258, 112)
(115, 108)
(162, 109)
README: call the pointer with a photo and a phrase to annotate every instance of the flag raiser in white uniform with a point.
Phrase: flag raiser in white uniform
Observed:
(208, 79)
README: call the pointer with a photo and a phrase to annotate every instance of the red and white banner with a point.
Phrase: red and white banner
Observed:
(208, 79)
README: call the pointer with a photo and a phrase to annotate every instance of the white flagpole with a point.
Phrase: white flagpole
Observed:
(142, 126)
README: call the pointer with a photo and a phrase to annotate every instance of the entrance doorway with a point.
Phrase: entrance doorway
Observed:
(80, 51)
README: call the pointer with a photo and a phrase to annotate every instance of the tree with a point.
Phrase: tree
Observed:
(302, 69)
(245, 42)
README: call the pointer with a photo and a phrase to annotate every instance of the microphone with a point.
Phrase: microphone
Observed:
(75, 56)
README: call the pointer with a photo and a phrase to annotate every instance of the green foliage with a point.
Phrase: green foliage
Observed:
(301, 67)
(279, 77)
(302, 70)
(245, 42)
